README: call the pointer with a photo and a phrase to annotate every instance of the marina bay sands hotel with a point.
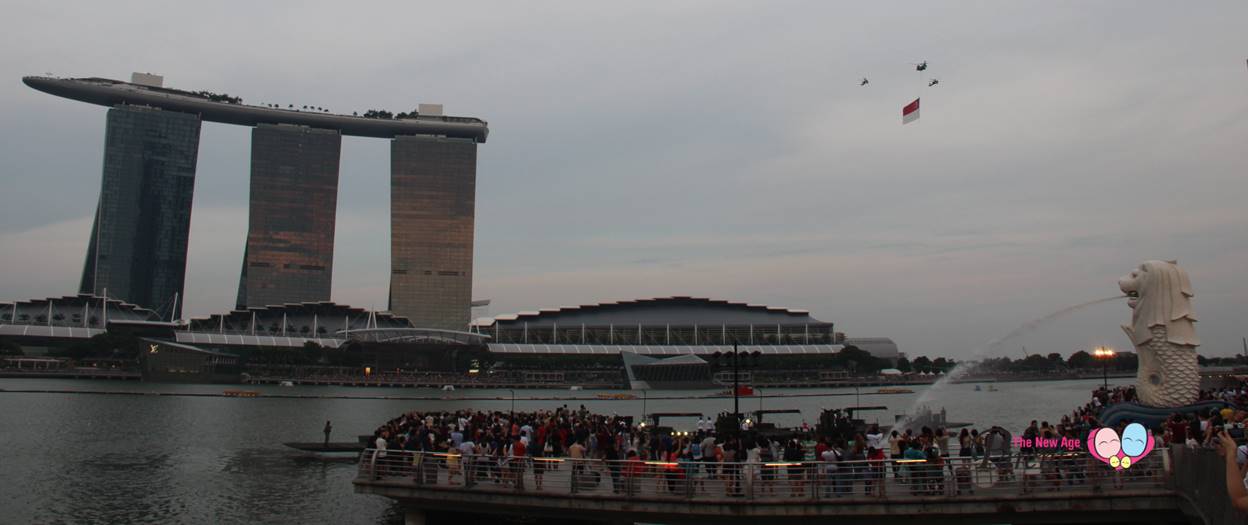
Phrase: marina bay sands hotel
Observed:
(139, 239)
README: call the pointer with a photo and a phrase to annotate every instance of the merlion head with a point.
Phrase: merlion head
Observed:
(1160, 294)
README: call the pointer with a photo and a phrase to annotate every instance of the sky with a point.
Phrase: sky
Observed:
(717, 149)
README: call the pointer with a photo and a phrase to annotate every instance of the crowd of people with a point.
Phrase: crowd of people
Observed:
(515, 448)
(509, 449)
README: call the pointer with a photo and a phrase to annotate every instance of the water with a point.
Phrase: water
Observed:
(937, 388)
(163, 459)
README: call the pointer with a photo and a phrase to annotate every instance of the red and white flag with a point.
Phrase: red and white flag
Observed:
(910, 113)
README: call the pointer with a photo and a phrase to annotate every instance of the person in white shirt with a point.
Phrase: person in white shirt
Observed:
(875, 438)
(830, 456)
(378, 455)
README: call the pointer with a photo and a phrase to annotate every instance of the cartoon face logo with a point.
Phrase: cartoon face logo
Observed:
(1135, 443)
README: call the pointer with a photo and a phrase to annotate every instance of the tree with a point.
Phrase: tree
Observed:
(1080, 359)
(940, 364)
(903, 364)
(1124, 361)
(858, 360)
(316, 352)
(1035, 362)
(1202, 360)
(922, 364)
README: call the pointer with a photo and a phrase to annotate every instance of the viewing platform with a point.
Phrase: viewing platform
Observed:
(1067, 488)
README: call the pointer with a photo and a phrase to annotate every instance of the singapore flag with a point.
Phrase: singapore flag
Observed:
(910, 113)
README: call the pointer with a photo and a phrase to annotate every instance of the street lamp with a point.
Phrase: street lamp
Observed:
(736, 376)
(1105, 354)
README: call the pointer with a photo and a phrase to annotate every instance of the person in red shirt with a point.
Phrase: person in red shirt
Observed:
(633, 470)
(1178, 429)
(518, 461)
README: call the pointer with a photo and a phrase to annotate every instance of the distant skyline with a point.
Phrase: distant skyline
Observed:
(712, 149)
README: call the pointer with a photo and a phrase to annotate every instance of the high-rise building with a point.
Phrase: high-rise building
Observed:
(139, 240)
(294, 197)
(432, 205)
(137, 250)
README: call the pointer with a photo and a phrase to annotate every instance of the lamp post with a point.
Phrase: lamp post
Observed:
(643, 405)
(736, 374)
(1105, 354)
(736, 378)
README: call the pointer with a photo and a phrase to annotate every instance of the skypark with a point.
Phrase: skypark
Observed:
(108, 92)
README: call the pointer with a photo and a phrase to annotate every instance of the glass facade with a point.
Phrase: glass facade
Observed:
(294, 198)
(432, 205)
(137, 250)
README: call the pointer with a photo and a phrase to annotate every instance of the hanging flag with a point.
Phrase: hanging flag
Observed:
(910, 113)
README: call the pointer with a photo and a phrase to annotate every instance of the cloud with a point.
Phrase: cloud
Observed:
(45, 261)
(710, 148)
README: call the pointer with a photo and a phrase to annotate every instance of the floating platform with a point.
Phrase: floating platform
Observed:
(332, 448)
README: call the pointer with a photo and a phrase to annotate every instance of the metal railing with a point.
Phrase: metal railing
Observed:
(1012, 475)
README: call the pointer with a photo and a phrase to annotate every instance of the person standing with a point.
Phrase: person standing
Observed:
(518, 460)
(576, 453)
(379, 455)
(329, 427)
(1234, 476)
(896, 446)
(468, 455)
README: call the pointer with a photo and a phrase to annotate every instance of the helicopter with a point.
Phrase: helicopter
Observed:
(864, 82)
(933, 82)
(921, 66)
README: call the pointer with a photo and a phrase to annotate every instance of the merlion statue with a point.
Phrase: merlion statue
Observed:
(1163, 330)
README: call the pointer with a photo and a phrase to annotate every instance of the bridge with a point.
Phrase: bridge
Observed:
(1065, 488)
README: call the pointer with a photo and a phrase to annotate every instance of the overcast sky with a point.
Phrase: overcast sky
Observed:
(704, 148)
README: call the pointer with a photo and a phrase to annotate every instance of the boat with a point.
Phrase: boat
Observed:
(894, 390)
(574, 388)
(332, 450)
(616, 396)
(992, 388)
(448, 388)
(742, 390)
(287, 383)
(240, 393)
(978, 388)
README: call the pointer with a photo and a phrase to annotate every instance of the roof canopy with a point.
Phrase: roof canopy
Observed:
(660, 311)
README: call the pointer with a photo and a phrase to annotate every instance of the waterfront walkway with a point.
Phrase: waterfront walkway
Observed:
(1069, 488)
